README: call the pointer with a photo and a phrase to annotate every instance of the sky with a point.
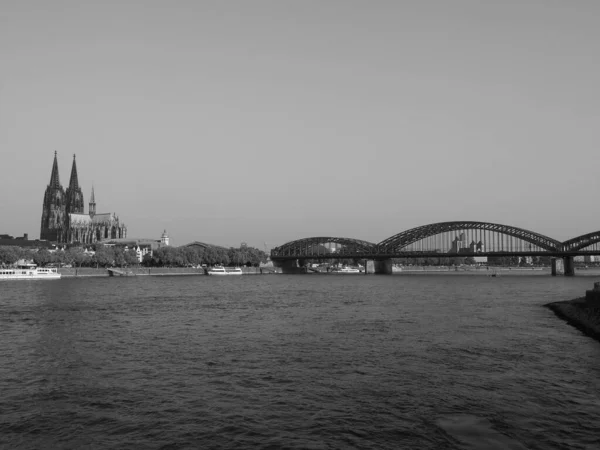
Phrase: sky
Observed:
(268, 121)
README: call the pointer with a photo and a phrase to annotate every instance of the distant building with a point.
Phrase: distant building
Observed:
(8, 240)
(587, 258)
(142, 246)
(164, 239)
(63, 216)
(459, 245)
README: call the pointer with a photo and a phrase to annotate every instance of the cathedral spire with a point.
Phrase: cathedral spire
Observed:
(92, 210)
(54, 179)
(74, 181)
(53, 209)
(74, 195)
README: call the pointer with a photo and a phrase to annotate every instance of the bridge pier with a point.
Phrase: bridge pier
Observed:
(289, 266)
(379, 266)
(558, 267)
(383, 266)
(563, 266)
(569, 263)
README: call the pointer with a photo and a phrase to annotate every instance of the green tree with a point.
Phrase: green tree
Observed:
(131, 258)
(148, 260)
(9, 255)
(76, 256)
(190, 256)
(104, 256)
(470, 260)
(58, 257)
(42, 257)
(119, 256)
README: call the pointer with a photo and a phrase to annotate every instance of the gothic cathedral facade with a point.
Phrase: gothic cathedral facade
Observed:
(64, 219)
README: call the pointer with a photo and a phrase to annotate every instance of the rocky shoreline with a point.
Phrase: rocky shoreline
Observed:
(583, 313)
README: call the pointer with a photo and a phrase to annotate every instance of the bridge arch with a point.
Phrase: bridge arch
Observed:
(315, 246)
(580, 242)
(404, 239)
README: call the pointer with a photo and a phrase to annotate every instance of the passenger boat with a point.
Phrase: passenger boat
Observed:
(346, 270)
(220, 270)
(29, 272)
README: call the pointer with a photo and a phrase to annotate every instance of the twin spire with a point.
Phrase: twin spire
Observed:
(54, 179)
(73, 181)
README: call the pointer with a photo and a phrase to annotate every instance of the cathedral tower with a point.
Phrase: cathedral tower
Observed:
(74, 195)
(53, 209)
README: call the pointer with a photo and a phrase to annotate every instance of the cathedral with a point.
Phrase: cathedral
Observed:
(63, 217)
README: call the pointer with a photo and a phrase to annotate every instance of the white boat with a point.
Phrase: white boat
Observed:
(346, 270)
(29, 272)
(220, 270)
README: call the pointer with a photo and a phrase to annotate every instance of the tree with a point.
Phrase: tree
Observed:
(104, 256)
(42, 257)
(58, 257)
(76, 256)
(119, 257)
(190, 256)
(131, 258)
(148, 260)
(9, 255)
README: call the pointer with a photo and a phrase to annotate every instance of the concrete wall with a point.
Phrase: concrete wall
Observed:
(93, 272)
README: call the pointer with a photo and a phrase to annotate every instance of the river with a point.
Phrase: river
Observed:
(422, 361)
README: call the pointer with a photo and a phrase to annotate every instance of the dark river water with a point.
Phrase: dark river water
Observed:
(444, 361)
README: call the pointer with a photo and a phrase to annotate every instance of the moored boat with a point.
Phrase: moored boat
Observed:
(220, 270)
(29, 272)
(346, 270)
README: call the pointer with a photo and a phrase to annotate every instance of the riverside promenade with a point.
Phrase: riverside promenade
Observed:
(149, 271)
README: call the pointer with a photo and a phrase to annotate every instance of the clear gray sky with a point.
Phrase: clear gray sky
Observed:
(268, 121)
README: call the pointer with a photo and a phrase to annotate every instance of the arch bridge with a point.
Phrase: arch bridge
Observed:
(441, 240)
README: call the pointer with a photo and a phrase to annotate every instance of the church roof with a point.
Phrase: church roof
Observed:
(54, 179)
(86, 219)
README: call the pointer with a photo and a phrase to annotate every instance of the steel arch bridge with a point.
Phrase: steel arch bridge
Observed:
(487, 237)
(458, 238)
(586, 243)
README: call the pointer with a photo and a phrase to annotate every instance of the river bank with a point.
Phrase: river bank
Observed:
(149, 271)
(583, 313)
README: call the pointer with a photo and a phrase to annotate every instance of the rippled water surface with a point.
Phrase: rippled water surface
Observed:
(316, 361)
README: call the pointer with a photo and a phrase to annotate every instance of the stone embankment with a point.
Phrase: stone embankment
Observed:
(583, 313)
(153, 271)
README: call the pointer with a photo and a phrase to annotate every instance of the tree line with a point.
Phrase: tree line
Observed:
(195, 256)
(107, 256)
